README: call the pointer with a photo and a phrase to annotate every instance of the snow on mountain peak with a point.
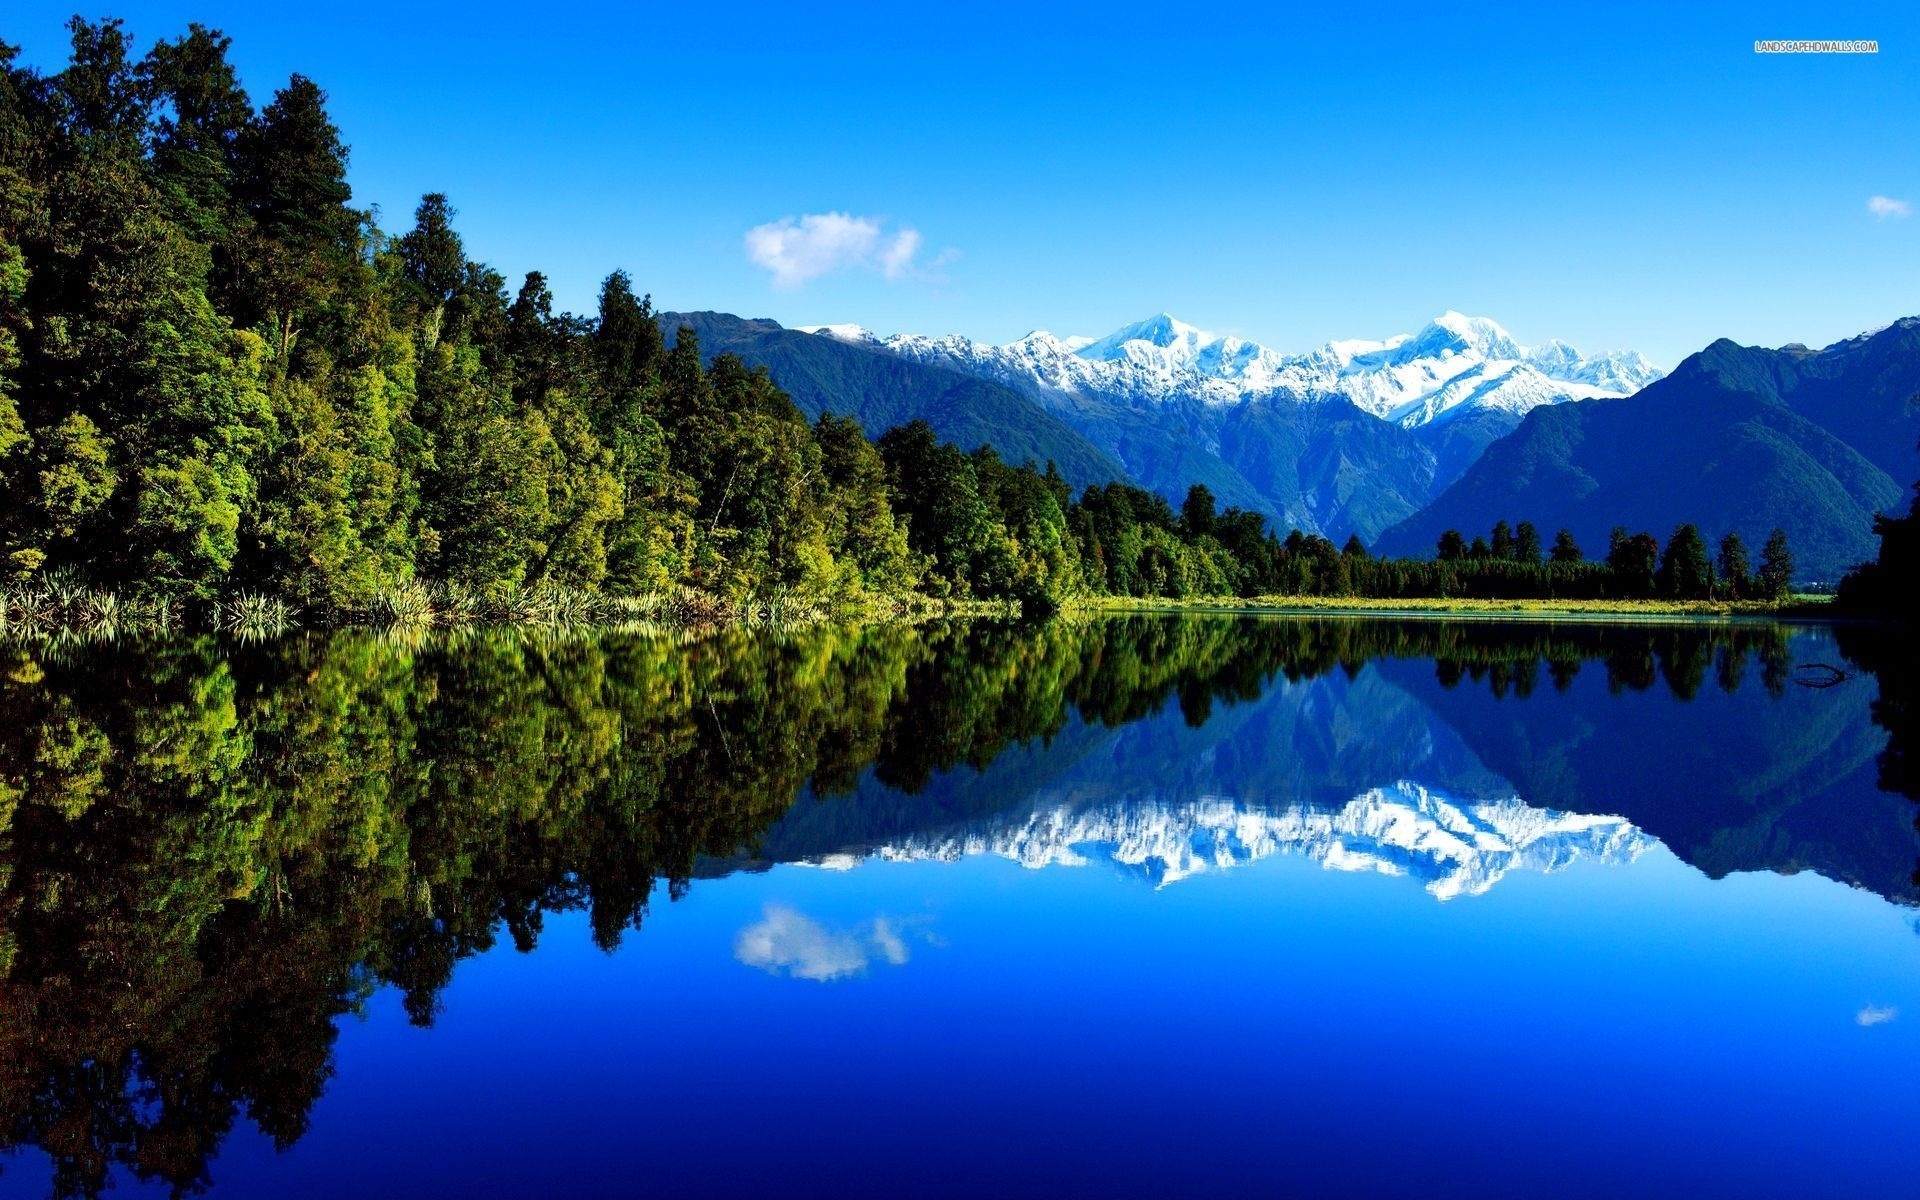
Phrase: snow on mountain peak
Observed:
(1161, 331)
(843, 332)
(1453, 333)
(1617, 370)
(1553, 356)
(1455, 364)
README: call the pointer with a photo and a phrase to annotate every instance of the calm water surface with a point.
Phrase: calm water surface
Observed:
(1147, 906)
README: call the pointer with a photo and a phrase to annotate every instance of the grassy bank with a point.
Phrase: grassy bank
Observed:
(69, 611)
(1797, 606)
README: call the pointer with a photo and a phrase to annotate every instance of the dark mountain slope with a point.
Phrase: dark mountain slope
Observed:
(1326, 466)
(881, 391)
(1736, 438)
(1864, 392)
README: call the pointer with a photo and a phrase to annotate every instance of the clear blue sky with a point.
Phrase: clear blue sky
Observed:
(1613, 178)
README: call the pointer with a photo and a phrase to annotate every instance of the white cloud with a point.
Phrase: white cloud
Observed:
(1874, 1014)
(897, 258)
(788, 942)
(798, 249)
(1886, 206)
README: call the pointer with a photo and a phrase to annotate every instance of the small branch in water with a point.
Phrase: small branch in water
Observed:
(1832, 675)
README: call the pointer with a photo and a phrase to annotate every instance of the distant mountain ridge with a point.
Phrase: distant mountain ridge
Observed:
(1454, 364)
(1740, 438)
(1348, 438)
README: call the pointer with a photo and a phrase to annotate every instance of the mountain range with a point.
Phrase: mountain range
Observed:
(1454, 426)
(1453, 366)
(1740, 438)
(1352, 437)
(1347, 438)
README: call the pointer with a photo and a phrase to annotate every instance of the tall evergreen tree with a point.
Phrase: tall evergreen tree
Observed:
(1734, 573)
(1565, 549)
(203, 115)
(292, 170)
(627, 345)
(1526, 544)
(433, 258)
(1502, 547)
(1197, 512)
(1775, 577)
(1686, 572)
(1634, 562)
(862, 531)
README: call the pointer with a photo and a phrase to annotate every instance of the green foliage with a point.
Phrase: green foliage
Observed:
(1526, 544)
(1565, 549)
(76, 477)
(862, 531)
(1775, 577)
(1634, 561)
(1734, 573)
(1685, 570)
(1199, 511)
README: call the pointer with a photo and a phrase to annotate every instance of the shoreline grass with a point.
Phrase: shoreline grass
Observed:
(62, 610)
(1798, 607)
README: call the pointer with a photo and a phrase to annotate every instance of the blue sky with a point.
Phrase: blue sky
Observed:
(1637, 178)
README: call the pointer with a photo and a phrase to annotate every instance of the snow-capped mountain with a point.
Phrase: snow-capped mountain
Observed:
(1349, 438)
(1455, 846)
(1456, 364)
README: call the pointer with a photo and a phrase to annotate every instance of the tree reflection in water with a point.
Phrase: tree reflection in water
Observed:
(209, 853)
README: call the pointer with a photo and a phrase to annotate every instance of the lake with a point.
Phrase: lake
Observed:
(1144, 905)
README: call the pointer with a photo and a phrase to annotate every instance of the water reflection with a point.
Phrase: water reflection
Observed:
(210, 853)
(788, 942)
(1454, 847)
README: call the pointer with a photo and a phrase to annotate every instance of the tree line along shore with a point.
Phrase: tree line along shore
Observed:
(230, 397)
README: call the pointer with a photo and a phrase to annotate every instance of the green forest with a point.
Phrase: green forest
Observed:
(218, 377)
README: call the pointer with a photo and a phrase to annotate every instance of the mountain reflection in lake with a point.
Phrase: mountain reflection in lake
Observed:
(1678, 942)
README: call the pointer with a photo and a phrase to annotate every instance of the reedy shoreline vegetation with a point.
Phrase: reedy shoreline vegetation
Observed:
(59, 610)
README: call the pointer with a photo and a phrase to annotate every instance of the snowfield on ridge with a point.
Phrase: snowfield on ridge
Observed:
(1453, 366)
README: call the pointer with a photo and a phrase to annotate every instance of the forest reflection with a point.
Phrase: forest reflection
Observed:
(211, 852)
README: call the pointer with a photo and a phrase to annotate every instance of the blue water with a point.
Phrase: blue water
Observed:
(1312, 943)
